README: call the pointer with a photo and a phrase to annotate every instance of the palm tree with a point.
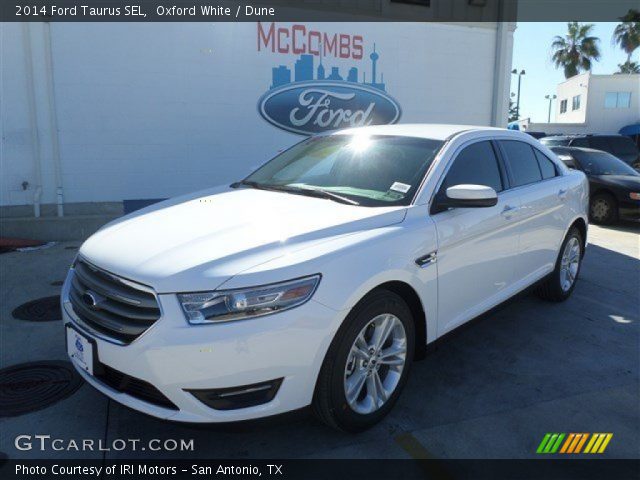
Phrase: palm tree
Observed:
(627, 34)
(629, 67)
(576, 50)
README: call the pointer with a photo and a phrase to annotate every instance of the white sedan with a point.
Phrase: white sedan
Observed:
(320, 277)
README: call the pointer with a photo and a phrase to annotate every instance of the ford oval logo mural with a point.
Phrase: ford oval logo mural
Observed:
(316, 100)
(316, 106)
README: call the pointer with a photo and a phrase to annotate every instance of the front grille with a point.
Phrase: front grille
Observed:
(111, 305)
(132, 386)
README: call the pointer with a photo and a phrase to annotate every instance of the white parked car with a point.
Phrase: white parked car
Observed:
(319, 278)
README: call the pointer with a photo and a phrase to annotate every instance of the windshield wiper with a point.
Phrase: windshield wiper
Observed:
(310, 192)
(320, 193)
(247, 183)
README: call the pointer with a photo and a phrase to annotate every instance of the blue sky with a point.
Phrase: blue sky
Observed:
(532, 52)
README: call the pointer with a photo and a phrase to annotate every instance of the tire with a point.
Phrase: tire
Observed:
(603, 209)
(554, 288)
(330, 403)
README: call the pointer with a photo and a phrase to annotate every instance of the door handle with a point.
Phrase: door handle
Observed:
(562, 193)
(509, 210)
(427, 260)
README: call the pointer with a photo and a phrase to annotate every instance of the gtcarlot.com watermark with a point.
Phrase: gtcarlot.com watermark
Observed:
(47, 443)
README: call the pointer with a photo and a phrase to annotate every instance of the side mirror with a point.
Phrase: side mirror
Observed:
(470, 196)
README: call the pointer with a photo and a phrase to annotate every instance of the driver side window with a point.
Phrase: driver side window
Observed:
(476, 164)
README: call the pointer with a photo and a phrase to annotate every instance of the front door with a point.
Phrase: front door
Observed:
(477, 247)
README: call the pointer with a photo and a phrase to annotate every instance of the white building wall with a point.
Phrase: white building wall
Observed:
(159, 109)
(592, 112)
(611, 120)
(592, 117)
(578, 85)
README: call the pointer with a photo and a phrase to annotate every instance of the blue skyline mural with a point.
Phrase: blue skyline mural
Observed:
(303, 70)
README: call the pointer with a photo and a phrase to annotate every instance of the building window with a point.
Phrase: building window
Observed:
(617, 100)
(575, 103)
(563, 106)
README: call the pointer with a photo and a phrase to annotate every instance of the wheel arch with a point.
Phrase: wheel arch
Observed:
(603, 191)
(581, 224)
(411, 297)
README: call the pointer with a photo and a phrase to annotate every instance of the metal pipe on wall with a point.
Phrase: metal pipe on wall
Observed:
(33, 118)
(502, 65)
(53, 119)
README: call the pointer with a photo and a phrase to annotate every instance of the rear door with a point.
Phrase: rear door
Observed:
(477, 247)
(624, 149)
(539, 186)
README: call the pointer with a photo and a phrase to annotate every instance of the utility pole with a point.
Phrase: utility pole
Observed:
(551, 98)
(515, 72)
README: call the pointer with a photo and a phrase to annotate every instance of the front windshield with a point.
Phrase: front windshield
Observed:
(601, 163)
(375, 170)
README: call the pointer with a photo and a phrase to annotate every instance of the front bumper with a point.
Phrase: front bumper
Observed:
(629, 210)
(174, 357)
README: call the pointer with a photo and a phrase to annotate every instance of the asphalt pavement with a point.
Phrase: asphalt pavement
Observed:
(491, 390)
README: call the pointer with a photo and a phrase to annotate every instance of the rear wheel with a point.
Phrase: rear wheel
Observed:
(560, 284)
(367, 364)
(603, 209)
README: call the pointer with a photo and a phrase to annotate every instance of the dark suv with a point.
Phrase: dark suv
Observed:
(617, 145)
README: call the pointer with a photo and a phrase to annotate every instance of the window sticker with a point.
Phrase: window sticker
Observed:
(400, 187)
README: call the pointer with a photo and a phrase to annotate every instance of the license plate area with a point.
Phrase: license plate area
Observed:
(81, 349)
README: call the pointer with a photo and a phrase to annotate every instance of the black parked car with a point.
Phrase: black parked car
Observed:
(617, 145)
(614, 187)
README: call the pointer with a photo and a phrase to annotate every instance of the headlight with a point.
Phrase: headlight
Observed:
(225, 305)
(634, 195)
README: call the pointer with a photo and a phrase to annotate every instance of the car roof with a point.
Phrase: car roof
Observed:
(575, 149)
(582, 135)
(434, 131)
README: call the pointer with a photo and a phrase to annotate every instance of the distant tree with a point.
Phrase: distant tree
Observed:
(576, 51)
(628, 67)
(513, 112)
(627, 34)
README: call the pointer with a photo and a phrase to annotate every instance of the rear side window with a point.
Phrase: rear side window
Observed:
(477, 165)
(623, 146)
(600, 143)
(547, 167)
(522, 162)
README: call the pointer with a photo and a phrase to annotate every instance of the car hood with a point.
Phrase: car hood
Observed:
(624, 181)
(199, 241)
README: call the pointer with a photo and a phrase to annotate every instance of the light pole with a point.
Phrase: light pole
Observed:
(515, 72)
(551, 98)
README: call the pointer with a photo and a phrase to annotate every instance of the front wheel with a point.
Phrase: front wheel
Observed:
(367, 364)
(559, 285)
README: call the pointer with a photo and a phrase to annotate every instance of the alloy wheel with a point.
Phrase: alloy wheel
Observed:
(600, 209)
(375, 363)
(569, 263)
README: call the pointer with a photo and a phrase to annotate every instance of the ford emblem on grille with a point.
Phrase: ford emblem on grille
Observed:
(92, 299)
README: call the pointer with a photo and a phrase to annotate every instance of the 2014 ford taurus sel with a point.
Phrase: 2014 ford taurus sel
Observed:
(318, 278)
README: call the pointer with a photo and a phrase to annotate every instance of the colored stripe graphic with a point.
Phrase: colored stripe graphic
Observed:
(543, 443)
(557, 444)
(574, 443)
(598, 443)
(567, 443)
(605, 443)
(550, 443)
(581, 442)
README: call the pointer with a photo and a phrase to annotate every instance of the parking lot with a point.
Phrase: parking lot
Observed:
(491, 390)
